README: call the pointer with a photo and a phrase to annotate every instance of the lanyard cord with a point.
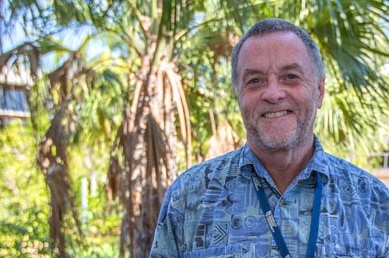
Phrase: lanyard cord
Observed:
(275, 230)
(315, 218)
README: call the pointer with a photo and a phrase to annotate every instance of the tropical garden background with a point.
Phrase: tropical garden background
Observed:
(104, 103)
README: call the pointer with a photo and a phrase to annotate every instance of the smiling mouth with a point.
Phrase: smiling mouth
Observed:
(275, 114)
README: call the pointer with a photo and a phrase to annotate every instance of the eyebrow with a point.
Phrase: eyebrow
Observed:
(249, 72)
(293, 66)
(288, 67)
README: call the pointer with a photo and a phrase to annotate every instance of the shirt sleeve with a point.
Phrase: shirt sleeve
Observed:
(166, 243)
(381, 215)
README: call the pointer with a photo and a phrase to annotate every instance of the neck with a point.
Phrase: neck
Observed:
(284, 165)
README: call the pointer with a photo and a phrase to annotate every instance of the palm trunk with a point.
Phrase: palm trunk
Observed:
(147, 138)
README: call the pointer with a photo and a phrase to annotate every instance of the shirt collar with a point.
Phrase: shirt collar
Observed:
(318, 163)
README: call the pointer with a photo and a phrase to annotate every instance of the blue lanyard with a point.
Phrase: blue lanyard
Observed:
(275, 230)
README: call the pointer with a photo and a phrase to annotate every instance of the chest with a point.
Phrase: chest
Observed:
(229, 222)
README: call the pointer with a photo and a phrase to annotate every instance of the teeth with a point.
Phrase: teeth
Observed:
(275, 114)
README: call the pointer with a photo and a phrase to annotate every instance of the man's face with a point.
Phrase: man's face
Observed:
(278, 91)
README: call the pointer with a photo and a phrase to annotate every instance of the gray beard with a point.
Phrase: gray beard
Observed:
(274, 144)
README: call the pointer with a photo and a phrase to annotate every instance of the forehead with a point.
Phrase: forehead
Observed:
(273, 48)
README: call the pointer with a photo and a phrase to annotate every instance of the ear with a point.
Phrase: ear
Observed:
(320, 85)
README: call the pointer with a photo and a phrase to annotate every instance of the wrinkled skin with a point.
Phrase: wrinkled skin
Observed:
(279, 94)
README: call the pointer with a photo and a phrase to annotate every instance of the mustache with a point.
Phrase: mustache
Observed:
(264, 108)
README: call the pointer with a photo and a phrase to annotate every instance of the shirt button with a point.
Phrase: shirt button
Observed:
(283, 202)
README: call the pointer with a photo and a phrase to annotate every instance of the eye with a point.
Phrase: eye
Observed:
(290, 78)
(254, 80)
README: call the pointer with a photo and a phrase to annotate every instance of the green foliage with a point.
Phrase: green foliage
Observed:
(23, 196)
(356, 129)
(108, 43)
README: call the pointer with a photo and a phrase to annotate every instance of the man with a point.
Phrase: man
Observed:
(280, 195)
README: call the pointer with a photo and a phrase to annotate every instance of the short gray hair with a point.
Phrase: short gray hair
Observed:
(266, 26)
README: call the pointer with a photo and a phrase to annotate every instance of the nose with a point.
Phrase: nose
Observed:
(273, 92)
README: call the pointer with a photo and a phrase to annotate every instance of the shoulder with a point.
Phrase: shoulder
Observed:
(194, 181)
(206, 170)
(345, 175)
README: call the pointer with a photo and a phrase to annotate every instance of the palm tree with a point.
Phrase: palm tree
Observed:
(168, 61)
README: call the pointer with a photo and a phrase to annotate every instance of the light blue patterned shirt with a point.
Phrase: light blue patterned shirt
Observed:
(212, 210)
